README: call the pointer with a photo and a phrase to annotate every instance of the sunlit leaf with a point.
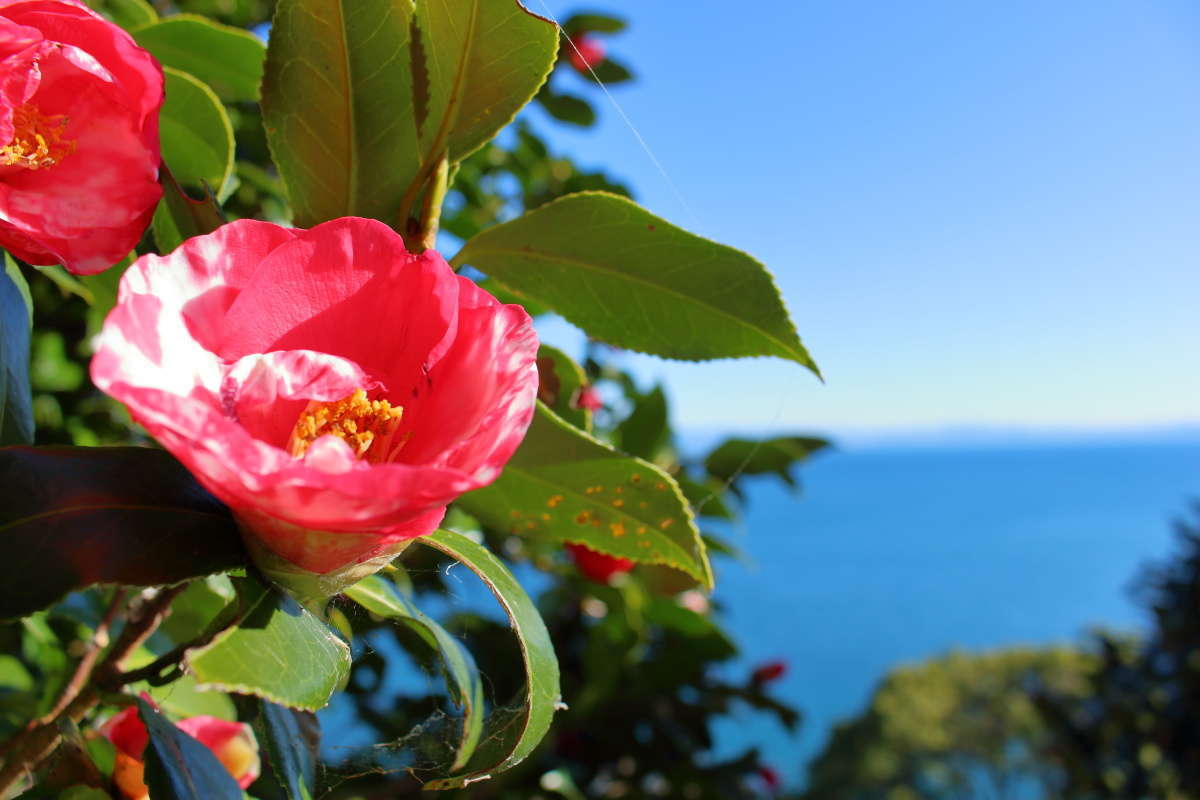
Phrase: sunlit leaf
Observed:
(566, 486)
(633, 280)
(229, 60)
(279, 652)
(196, 136)
(511, 733)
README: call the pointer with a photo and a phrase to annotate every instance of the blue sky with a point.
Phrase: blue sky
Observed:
(979, 214)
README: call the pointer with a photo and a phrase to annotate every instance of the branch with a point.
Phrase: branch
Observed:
(37, 742)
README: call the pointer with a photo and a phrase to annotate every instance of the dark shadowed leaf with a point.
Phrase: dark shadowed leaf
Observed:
(71, 517)
(636, 281)
(291, 740)
(462, 676)
(511, 733)
(178, 767)
(16, 408)
(567, 107)
(609, 71)
(645, 431)
(279, 652)
(592, 22)
(566, 486)
(229, 60)
(180, 217)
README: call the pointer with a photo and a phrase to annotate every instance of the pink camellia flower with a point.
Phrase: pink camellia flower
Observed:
(333, 389)
(585, 52)
(599, 567)
(231, 742)
(79, 105)
(769, 671)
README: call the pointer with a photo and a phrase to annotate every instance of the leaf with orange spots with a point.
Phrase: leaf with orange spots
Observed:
(566, 486)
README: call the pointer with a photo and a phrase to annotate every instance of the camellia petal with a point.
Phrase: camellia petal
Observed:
(335, 390)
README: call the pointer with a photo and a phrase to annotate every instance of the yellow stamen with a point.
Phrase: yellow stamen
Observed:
(368, 426)
(37, 141)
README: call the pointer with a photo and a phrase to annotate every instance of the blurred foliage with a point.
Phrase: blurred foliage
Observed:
(962, 725)
(1135, 731)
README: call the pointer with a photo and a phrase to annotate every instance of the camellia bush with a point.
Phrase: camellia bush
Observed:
(295, 409)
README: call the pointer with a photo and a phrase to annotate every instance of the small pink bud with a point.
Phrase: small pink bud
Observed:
(598, 567)
(769, 671)
(588, 398)
(585, 53)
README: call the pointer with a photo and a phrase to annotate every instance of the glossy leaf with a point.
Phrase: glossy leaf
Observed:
(737, 457)
(16, 403)
(279, 652)
(484, 60)
(462, 676)
(291, 740)
(196, 136)
(512, 733)
(229, 60)
(566, 486)
(635, 281)
(71, 517)
(338, 106)
(178, 767)
(560, 380)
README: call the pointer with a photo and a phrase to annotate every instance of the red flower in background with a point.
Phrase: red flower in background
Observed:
(79, 105)
(333, 389)
(599, 567)
(585, 52)
(770, 778)
(769, 671)
(587, 397)
(231, 742)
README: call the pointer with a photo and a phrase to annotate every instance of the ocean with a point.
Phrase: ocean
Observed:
(896, 554)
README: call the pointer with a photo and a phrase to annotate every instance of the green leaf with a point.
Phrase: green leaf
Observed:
(484, 60)
(567, 107)
(645, 431)
(560, 380)
(609, 72)
(16, 310)
(566, 486)
(178, 767)
(592, 22)
(279, 652)
(512, 733)
(195, 133)
(706, 498)
(71, 517)
(230, 60)
(179, 217)
(338, 106)
(291, 740)
(462, 676)
(737, 457)
(633, 280)
(129, 14)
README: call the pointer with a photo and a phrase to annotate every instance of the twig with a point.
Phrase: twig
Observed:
(36, 743)
(83, 670)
